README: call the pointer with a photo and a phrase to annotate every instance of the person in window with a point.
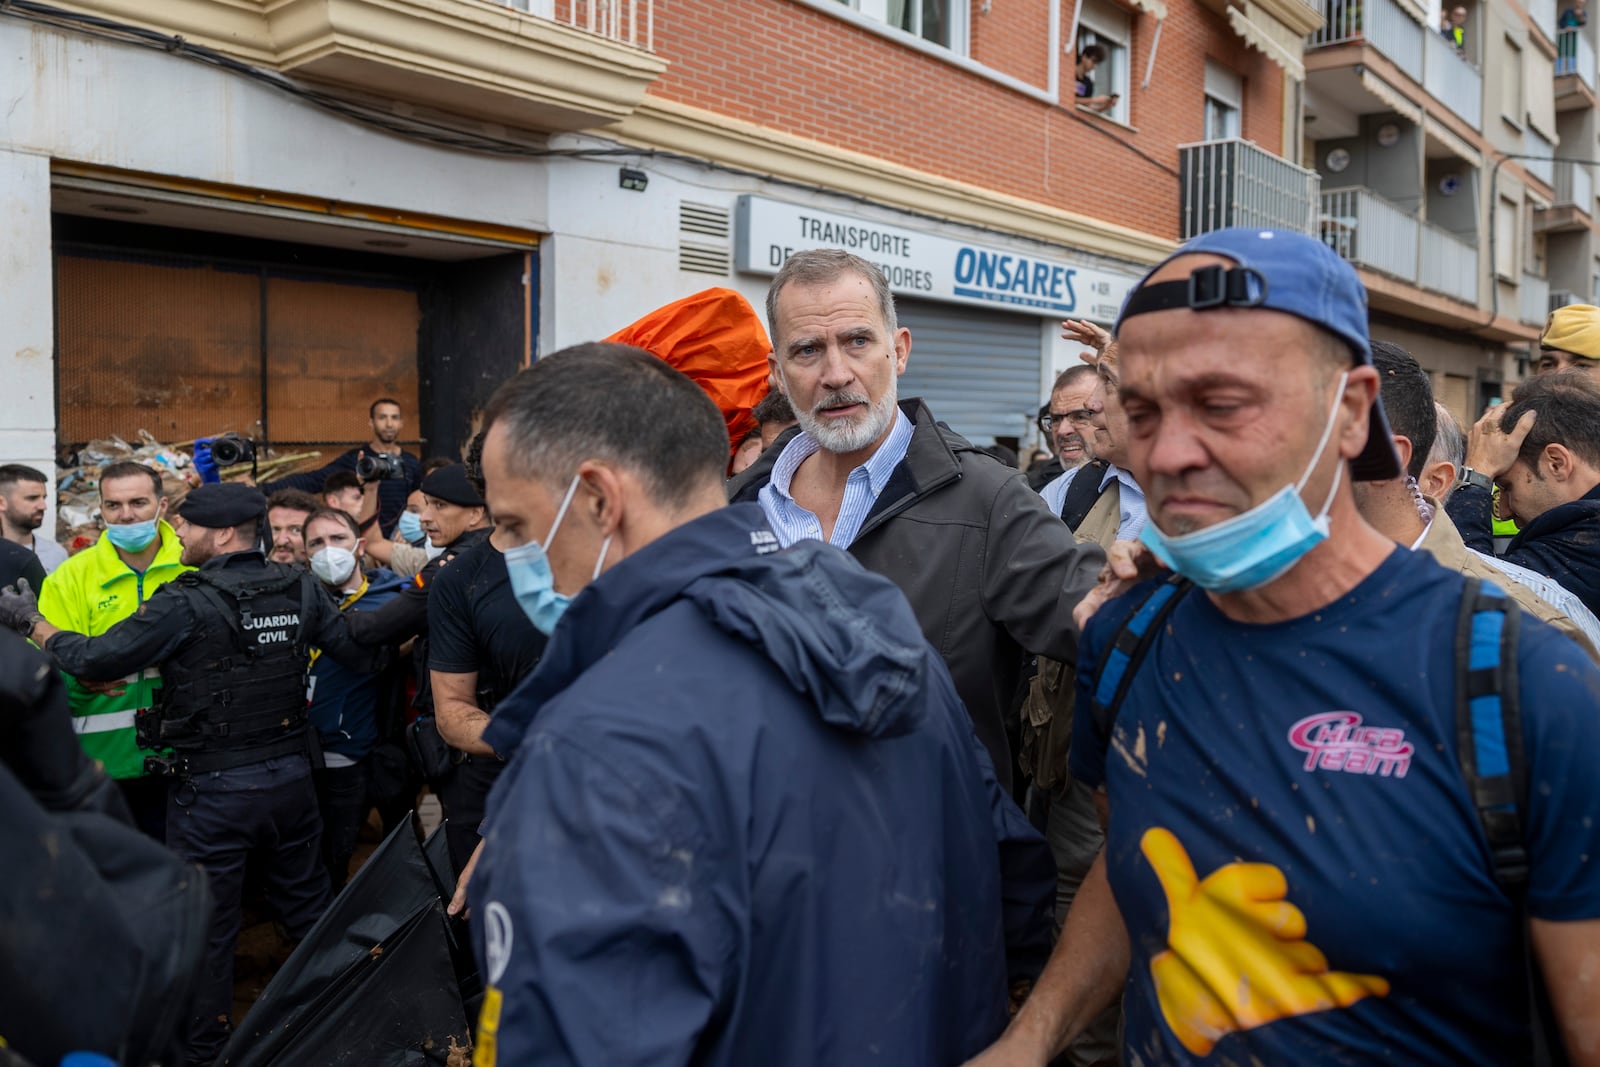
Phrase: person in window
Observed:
(1455, 29)
(1089, 57)
(1574, 15)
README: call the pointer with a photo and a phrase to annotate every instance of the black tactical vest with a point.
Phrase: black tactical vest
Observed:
(238, 694)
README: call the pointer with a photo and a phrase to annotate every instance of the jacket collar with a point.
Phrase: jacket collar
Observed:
(931, 463)
(606, 609)
(170, 554)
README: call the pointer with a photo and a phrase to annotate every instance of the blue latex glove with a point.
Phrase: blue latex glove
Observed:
(204, 465)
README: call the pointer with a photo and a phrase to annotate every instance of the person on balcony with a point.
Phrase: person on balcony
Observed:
(1455, 28)
(1573, 15)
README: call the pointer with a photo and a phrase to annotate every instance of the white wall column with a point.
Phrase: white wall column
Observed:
(27, 318)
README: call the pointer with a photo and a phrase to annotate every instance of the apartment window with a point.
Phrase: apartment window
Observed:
(1110, 29)
(1224, 100)
(932, 20)
(1511, 105)
(1505, 239)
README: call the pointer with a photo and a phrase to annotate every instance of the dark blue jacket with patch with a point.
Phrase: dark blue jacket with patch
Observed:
(344, 703)
(747, 821)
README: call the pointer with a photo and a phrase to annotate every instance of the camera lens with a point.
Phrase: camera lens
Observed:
(225, 452)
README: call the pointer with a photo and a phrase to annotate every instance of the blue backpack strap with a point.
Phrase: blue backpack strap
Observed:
(1129, 647)
(1489, 725)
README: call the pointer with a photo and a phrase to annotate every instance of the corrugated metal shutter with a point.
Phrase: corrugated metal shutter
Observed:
(978, 370)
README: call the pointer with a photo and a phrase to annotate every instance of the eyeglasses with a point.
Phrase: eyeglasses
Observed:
(1051, 419)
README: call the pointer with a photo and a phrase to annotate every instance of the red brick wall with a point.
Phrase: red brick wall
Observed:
(782, 64)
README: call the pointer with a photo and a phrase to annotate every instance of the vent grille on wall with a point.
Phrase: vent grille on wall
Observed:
(703, 246)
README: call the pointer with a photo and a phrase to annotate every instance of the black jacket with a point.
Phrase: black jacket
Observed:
(1563, 544)
(991, 574)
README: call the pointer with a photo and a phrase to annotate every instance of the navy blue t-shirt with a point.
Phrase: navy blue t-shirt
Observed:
(1292, 847)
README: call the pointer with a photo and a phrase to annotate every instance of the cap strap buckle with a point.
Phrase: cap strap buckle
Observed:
(1211, 286)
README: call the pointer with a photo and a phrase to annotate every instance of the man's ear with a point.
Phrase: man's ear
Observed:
(604, 495)
(1402, 445)
(1558, 462)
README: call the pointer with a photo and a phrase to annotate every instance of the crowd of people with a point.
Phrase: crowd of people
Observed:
(1226, 734)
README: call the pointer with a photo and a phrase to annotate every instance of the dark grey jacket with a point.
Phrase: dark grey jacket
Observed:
(991, 574)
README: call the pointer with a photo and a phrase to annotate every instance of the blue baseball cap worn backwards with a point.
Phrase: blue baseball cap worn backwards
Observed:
(1279, 270)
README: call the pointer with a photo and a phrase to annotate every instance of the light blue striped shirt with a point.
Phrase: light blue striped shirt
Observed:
(1131, 499)
(1550, 591)
(792, 523)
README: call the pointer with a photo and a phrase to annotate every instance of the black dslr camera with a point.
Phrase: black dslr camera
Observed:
(380, 466)
(230, 449)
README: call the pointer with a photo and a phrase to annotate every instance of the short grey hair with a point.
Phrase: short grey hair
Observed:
(1451, 442)
(820, 266)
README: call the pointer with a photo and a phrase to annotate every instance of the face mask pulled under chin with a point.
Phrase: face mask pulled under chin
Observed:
(532, 580)
(1257, 546)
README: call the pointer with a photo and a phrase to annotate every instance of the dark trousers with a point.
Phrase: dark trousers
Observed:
(219, 820)
(342, 798)
(463, 796)
(147, 802)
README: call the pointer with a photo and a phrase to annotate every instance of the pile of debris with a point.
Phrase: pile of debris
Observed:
(78, 484)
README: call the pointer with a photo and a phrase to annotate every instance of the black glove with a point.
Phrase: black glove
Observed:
(19, 607)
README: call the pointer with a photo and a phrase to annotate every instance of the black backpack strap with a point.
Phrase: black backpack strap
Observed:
(1489, 725)
(1129, 647)
(1489, 748)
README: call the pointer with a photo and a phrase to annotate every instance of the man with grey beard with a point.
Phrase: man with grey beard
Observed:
(992, 575)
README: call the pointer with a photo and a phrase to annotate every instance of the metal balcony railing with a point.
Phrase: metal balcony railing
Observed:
(1560, 298)
(629, 22)
(1365, 228)
(1575, 55)
(1448, 265)
(1235, 183)
(1452, 80)
(1368, 230)
(1533, 299)
(1574, 185)
(1380, 23)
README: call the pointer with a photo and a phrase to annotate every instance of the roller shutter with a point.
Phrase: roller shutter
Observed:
(978, 370)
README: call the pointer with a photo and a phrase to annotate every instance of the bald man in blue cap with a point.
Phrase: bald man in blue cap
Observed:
(1316, 743)
(232, 641)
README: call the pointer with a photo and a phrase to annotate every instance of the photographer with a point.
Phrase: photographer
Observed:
(381, 460)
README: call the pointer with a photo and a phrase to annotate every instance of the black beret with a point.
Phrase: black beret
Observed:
(450, 485)
(222, 504)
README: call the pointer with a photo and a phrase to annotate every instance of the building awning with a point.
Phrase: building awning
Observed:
(1152, 7)
(1391, 96)
(1267, 36)
(1441, 133)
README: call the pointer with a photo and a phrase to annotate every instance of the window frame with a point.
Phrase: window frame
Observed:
(958, 12)
(1097, 23)
(1513, 77)
(1224, 91)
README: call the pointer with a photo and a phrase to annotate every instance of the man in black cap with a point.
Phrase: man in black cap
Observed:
(232, 641)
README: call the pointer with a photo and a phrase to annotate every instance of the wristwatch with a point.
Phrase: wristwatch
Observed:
(1477, 478)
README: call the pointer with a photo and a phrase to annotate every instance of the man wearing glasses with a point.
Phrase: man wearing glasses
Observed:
(1099, 501)
(1064, 422)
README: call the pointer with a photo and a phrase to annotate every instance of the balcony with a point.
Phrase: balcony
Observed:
(1451, 80)
(1574, 58)
(564, 65)
(1560, 298)
(1574, 185)
(1533, 299)
(1370, 232)
(1235, 183)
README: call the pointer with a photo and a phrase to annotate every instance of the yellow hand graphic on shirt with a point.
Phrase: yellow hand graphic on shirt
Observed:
(1237, 957)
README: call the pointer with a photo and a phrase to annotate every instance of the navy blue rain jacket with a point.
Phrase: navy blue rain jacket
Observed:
(747, 821)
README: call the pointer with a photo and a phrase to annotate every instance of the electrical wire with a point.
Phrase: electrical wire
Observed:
(416, 129)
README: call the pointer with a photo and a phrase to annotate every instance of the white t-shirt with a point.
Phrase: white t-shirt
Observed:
(50, 554)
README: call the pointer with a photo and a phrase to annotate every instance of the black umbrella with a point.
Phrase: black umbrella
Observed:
(385, 978)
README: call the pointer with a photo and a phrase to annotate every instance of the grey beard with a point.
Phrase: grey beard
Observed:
(858, 433)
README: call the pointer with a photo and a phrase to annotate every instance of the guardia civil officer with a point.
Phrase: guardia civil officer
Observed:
(231, 640)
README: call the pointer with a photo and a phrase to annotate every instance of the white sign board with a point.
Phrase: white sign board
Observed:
(930, 266)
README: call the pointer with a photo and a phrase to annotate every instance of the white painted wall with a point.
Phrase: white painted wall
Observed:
(27, 321)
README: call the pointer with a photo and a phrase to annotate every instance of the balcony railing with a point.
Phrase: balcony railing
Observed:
(1574, 185)
(1452, 80)
(1575, 55)
(1235, 183)
(1560, 298)
(1368, 230)
(1448, 265)
(629, 22)
(1543, 13)
(1533, 299)
(1379, 23)
(1365, 228)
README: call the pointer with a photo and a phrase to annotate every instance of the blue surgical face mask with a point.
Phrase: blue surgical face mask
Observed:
(410, 527)
(1256, 546)
(532, 580)
(133, 536)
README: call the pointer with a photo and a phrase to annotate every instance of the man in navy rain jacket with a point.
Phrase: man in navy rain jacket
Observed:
(746, 818)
